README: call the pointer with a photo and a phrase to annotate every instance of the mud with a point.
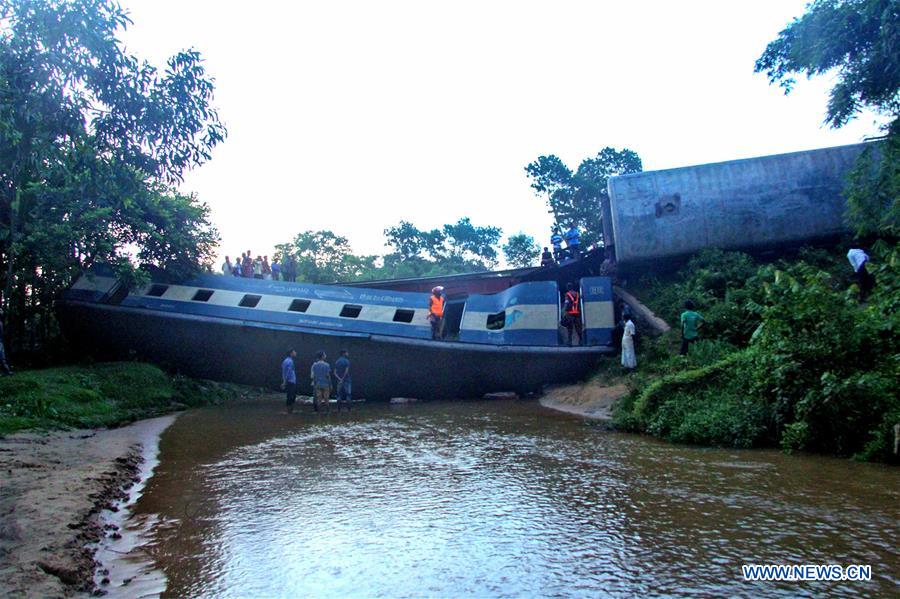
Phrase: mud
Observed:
(53, 488)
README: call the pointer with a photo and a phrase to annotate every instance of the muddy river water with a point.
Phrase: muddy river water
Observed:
(501, 498)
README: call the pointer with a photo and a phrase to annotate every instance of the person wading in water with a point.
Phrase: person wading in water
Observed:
(289, 380)
(320, 373)
(342, 374)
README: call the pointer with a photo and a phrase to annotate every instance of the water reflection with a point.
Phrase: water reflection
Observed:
(489, 499)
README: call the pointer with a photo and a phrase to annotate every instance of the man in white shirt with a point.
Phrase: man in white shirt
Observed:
(858, 260)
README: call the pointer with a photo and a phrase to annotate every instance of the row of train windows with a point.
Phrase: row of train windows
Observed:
(297, 305)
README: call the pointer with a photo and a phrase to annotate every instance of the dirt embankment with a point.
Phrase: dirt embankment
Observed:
(594, 399)
(52, 490)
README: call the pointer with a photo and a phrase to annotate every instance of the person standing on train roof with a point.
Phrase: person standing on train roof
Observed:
(276, 270)
(247, 265)
(573, 240)
(227, 267)
(556, 241)
(290, 269)
(266, 269)
(236, 268)
(320, 374)
(547, 258)
(342, 374)
(289, 380)
(572, 313)
(436, 312)
(257, 268)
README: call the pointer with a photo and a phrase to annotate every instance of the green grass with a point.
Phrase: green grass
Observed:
(107, 394)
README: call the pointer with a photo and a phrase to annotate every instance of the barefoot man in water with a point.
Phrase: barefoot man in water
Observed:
(320, 373)
(289, 380)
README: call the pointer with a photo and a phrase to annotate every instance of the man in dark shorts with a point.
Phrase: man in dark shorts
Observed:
(320, 373)
(342, 374)
(289, 380)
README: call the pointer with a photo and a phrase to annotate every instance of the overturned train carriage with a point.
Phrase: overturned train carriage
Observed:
(238, 330)
(761, 203)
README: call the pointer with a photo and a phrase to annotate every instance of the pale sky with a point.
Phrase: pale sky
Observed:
(353, 115)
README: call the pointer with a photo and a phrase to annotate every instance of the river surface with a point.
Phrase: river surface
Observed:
(494, 498)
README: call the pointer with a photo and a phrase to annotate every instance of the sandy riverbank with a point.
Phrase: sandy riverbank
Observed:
(593, 399)
(53, 487)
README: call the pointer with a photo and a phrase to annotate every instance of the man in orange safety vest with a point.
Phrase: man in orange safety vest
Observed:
(572, 313)
(436, 312)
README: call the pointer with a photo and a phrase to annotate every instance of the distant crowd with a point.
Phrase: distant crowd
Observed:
(260, 268)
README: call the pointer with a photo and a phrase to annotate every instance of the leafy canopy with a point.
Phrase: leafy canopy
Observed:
(577, 197)
(859, 39)
(92, 142)
(521, 251)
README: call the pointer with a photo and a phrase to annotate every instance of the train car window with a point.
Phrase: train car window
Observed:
(157, 290)
(299, 305)
(404, 315)
(497, 321)
(350, 311)
(249, 301)
(202, 295)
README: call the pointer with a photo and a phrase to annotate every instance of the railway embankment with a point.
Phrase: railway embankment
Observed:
(789, 356)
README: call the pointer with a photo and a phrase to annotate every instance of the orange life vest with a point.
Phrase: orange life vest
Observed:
(572, 297)
(437, 306)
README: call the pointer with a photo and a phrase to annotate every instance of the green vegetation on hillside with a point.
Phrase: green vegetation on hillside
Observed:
(100, 395)
(790, 357)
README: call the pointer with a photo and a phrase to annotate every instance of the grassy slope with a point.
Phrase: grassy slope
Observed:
(712, 397)
(99, 395)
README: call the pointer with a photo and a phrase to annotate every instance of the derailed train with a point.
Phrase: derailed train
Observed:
(503, 327)
(236, 329)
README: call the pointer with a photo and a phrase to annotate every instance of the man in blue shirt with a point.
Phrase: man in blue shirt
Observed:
(320, 373)
(342, 374)
(289, 379)
(556, 241)
(573, 240)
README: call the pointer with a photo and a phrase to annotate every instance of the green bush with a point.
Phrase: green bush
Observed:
(797, 361)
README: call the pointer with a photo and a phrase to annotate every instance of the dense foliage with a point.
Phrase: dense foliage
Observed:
(521, 251)
(92, 142)
(856, 38)
(791, 358)
(577, 197)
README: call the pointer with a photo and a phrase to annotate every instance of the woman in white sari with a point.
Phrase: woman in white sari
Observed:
(629, 359)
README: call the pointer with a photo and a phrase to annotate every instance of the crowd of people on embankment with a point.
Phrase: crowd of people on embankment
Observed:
(320, 377)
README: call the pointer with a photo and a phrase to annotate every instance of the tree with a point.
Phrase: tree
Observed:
(324, 257)
(92, 141)
(521, 251)
(552, 178)
(470, 246)
(577, 198)
(454, 248)
(859, 40)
